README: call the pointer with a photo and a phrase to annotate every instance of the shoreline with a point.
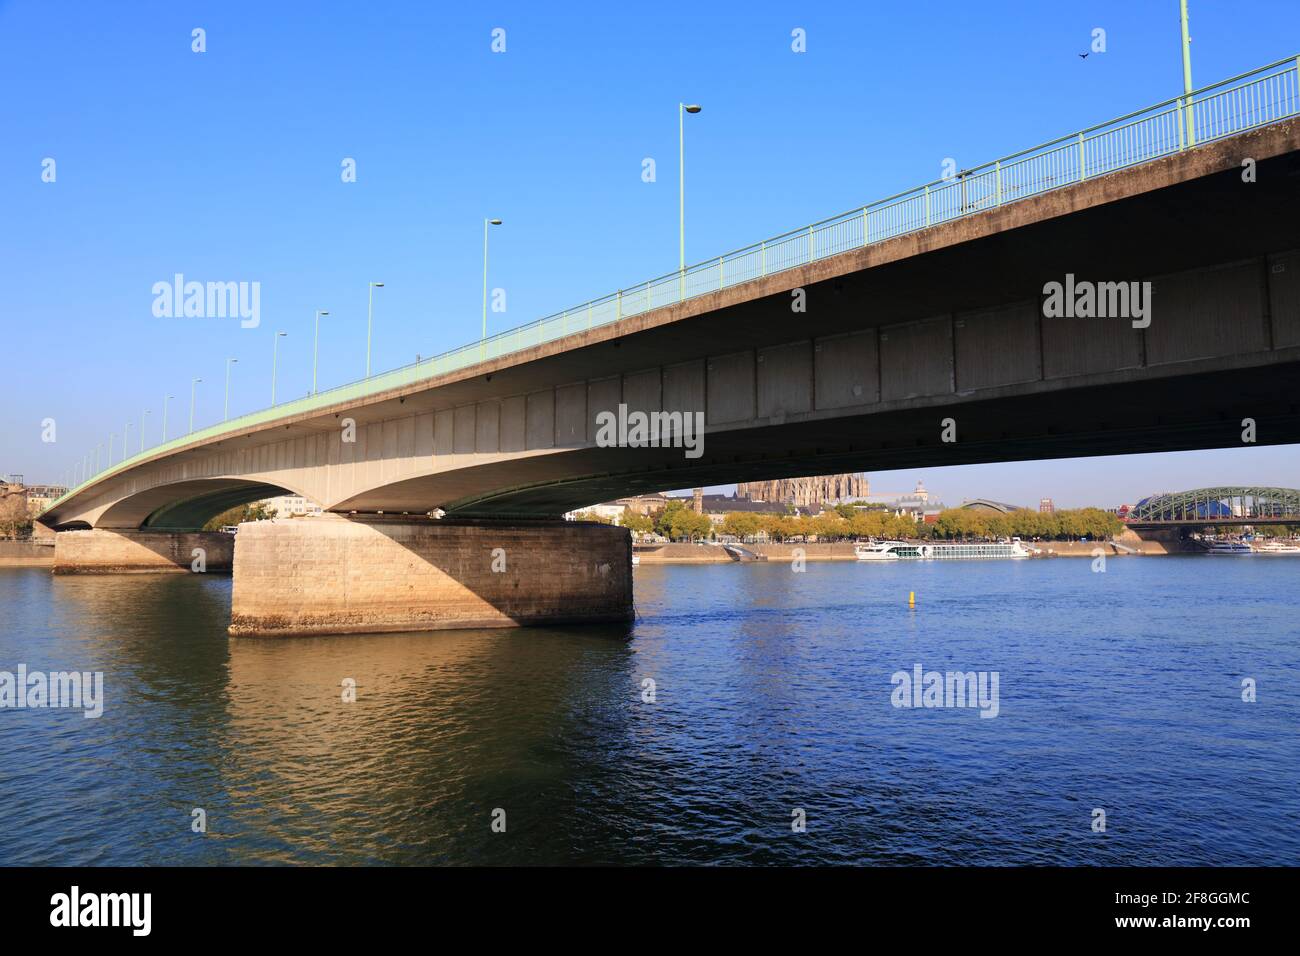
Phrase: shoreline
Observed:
(683, 553)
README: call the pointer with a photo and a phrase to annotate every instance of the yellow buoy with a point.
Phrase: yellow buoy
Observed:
(911, 600)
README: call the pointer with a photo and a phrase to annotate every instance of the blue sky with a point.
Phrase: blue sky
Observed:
(225, 165)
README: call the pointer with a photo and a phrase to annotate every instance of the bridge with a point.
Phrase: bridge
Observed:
(1232, 505)
(913, 331)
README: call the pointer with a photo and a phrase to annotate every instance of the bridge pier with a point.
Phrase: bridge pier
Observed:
(337, 575)
(102, 551)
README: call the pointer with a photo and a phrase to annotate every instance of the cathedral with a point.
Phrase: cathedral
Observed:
(802, 492)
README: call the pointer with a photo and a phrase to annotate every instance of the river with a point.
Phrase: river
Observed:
(770, 734)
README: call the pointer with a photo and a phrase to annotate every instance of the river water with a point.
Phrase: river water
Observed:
(773, 702)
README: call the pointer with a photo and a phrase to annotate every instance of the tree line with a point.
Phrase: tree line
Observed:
(678, 522)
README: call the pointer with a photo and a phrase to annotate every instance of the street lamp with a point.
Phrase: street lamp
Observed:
(166, 399)
(225, 412)
(125, 429)
(1187, 74)
(682, 110)
(109, 459)
(316, 349)
(193, 382)
(97, 448)
(370, 321)
(142, 417)
(486, 223)
(275, 355)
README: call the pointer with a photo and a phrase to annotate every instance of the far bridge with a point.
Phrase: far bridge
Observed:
(1227, 505)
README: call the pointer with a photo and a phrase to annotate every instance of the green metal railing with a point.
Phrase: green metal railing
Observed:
(1248, 101)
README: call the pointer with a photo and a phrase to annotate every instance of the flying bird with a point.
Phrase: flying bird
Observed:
(1083, 56)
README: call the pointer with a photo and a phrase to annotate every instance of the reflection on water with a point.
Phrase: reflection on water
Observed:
(772, 692)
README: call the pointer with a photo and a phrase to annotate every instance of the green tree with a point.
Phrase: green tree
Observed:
(15, 522)
(742, 524)
(829, 526)
(664, 519)
(688, 525)
(257, 511)
(638, 523)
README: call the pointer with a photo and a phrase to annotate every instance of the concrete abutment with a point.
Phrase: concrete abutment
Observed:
(343, 575)
(102, 551)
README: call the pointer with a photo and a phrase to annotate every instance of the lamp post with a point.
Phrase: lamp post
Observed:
(193, 383)
(225, 412)
(275, 356)
(109, 459)
(316, 349)
(486, 223)
(166, 399)
(97, 448)
(682, 110)
(142, 417)
(1187, 75)
(370, 321)
(125, 429)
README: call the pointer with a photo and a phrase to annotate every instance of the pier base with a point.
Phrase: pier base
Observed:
(337, 575)
(130, 552)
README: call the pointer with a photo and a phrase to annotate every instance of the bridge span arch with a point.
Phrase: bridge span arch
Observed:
(1226, 504)
(185, 505)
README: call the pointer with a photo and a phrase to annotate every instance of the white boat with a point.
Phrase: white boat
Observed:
(1278, 547)
(903, 550)
(1228, 547)
(636, 559)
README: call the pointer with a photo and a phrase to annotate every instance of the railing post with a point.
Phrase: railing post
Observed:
(1082, 161)
(866, 225)
(719, 272)
(564, 323)
(810, 243)
(1182, 127)
(762, 254)
(997, 169)
(588, 313)
(618, 306)
(927, 204)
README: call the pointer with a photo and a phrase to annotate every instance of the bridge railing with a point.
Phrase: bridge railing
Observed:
(1243, 102)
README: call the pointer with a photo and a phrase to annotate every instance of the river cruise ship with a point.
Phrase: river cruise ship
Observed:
(1285, 546)
(1228, 547)
(955, 551)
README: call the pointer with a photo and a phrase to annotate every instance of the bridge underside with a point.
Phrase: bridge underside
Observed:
(179, 506)
(1211, 523)
(1178, 414)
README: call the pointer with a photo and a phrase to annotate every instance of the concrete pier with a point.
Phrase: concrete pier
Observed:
(129, 552)
(337, 575)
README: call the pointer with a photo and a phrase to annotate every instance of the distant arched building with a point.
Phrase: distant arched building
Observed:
(984, 504)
